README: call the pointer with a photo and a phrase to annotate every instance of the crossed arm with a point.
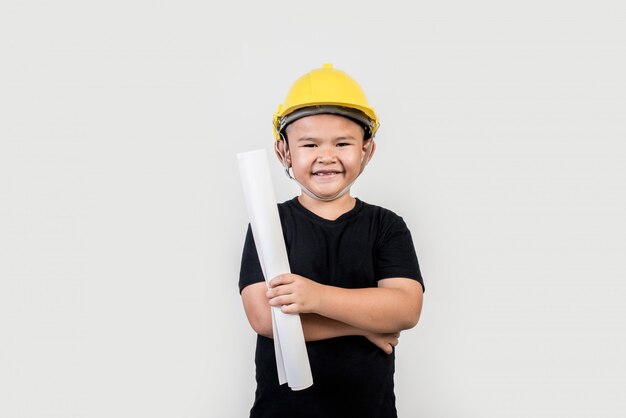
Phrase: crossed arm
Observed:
(378, 314)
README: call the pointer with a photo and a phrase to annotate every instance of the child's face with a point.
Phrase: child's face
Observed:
(325, 152)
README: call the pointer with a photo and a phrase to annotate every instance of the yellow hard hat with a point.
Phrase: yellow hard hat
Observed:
(326, 90)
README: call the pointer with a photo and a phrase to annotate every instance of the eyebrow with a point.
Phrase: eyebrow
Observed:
(306, 138)
(339, 138)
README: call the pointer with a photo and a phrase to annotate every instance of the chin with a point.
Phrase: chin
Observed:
(328, 194)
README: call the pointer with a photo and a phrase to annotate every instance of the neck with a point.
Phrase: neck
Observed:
(328, 210)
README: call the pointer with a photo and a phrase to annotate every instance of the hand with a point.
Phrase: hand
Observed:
(385, 342)
(294, 294)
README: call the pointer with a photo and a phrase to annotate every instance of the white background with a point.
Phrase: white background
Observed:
(122, 218)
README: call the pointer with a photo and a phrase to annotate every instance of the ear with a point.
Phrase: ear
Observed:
(281, 150)
(366, 144)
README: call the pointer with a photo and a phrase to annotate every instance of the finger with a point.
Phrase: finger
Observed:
(277, 291)
(281, 300)
(276, 281)
(290, 309)
(280, 279)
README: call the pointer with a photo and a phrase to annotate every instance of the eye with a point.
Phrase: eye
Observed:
(308, 146)
(344, 144)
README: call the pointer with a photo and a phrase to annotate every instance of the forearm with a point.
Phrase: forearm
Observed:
(317, 327)
(393, 306)
(380, 310)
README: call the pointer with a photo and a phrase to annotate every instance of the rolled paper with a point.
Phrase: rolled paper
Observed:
(292, 360)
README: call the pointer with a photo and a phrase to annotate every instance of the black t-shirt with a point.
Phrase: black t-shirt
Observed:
(351, 376)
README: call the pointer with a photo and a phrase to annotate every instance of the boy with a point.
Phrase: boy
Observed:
(356, 281)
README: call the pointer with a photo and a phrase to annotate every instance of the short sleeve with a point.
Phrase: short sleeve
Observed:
(250, 271)
(395, 252)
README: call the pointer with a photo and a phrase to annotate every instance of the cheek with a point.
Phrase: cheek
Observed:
(353, 158)
(299, 162)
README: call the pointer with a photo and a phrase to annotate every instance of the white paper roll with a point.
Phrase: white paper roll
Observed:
(292, 360)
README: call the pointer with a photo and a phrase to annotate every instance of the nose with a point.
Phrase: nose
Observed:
(327, 153)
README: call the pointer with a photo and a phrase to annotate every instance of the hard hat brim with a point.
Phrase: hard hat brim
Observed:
(353, 114)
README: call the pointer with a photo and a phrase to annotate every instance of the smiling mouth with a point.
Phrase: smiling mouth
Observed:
(324, 173)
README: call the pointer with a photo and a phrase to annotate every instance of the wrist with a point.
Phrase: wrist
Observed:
(321, 298)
